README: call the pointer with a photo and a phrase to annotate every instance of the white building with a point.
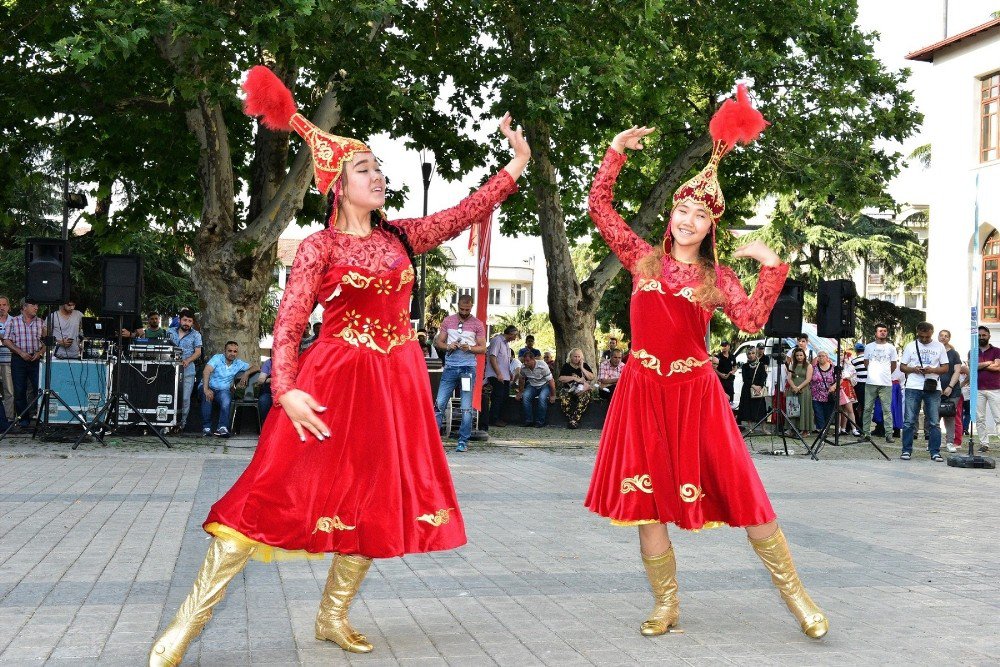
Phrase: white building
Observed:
(872, 279)
(961, 122)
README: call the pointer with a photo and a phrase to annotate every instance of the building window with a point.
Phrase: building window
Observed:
(991, 279)
(520, 296)
(494, 296)
(989, 143)
(462, 291)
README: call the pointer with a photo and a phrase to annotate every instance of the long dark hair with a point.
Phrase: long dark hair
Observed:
(378, 222)
(707, 293)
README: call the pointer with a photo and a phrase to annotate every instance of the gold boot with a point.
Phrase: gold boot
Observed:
(774, 552)
(662, 573)
(342, 584)
(224, 560)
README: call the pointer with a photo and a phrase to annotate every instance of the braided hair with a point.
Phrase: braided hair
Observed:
(378, 221)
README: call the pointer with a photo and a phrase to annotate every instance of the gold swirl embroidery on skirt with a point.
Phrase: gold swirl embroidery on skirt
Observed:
(638, 483)
(367, 339)
(648, 285)
(685, 365)
(647, 360)
(439, 518)
(690, 493)
(328, 525)
(355, 279)
(686, 293)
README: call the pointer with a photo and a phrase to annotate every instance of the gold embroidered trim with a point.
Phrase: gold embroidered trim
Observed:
(406, 277)
(328, 525)
(439, 518)
(691, 493)
(648, 285)
(355, 279)
(708, 525)
(383, 286)
(366, 336)
(638, 483)
(643, 522)
(686, 293)
(647, 360)
(685, 365)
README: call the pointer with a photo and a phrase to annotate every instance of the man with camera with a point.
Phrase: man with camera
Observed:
(924, 361)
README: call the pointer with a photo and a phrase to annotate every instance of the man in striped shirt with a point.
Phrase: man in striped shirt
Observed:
(861, 374)
(23, 337)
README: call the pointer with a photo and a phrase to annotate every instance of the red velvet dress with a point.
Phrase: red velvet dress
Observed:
(670, 450)
(380, 485)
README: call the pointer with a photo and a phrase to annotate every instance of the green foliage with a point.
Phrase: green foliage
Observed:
(529, 322)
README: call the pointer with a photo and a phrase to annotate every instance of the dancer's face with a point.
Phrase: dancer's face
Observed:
(364, 184)
(690, 222)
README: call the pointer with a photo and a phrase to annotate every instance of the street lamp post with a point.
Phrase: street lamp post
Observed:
(426, 169)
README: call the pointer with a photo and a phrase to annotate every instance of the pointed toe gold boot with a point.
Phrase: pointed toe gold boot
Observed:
(662, 573)
(773, 551)
(342, 584)
(225, 559)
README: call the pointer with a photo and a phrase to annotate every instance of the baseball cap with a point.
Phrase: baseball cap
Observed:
(859, 346)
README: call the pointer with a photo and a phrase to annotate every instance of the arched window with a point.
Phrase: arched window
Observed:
(991, 278)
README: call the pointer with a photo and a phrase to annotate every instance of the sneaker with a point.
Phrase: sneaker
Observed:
(856, 432)
(937, 458)
(888, 440)
(222, 432)
(905, 456)
(951, 448)
(205, 432)
(984, 448)
(462, 447)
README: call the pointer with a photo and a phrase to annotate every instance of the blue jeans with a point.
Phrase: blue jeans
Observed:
(824, 410)
(451, 377)
(537, 397)
(23, 373)
(223, 398)
(265, 402)
(911, 406)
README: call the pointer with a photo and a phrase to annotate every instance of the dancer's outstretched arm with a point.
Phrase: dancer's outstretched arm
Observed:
(750, 313)
(625, 243)
(432, 231)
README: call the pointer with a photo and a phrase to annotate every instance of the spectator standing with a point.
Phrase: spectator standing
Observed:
(608, 373)
(881, 361)
(186, 337)
(924, 361)
(217, 387)
(265, 401)
(152, 330)
(825, 390)
(753, 405)
(529, 346)
(575, 378)
(64, 326)
(951, 389)
(801, 343)
(612, 346)
(988, 386)
(799, 384)
(23, 337)
(725, 368)
(6, 379)
(860, 382)
(460, 338)
(498, 374)
(425, 345)
(536, 389)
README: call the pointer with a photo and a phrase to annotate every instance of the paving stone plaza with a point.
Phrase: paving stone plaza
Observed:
(99, 546)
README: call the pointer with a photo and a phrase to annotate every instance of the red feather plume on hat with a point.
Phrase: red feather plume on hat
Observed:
(737, 121)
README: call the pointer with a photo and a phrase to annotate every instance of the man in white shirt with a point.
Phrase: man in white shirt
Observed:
(64, 325)
(880, 360)
(924, 361)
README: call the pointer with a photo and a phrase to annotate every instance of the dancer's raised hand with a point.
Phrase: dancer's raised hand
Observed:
(759, 251)
(522, 151)
(631, 138)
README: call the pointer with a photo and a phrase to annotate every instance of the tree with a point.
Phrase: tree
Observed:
(578, 72)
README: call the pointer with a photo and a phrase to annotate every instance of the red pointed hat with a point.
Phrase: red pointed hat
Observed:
(736, 121)
(267, 96)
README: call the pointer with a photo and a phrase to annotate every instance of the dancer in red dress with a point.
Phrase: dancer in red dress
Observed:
(353, 462)
(670, 451)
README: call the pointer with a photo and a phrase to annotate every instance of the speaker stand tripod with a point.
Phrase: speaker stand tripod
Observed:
(44, 398)
(117, 399)
(823, 439)
(781, 421)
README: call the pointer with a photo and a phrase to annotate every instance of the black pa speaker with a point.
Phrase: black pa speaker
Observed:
(835, 308)
(122, 289)
(46, 279)
(785, 320)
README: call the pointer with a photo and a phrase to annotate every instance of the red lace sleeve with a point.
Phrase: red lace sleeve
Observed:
(432, 231)
(751, 313)
(625, 243)
(297, 303)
